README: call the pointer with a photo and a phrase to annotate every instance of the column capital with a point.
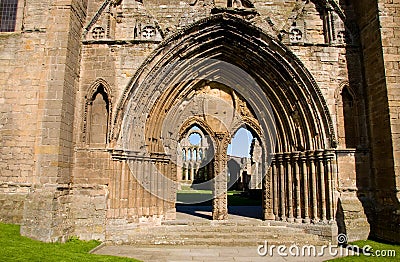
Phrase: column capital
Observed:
(319, 153)
(329, 153)
(279, 157)
(287, 155)
(311, 154)
(303, 156)
(295, 155)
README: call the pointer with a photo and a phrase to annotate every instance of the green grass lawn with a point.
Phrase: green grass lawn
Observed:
(377, 248)
(14, 247)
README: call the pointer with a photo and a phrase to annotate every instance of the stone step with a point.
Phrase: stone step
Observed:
(221, 242)
(251, 235)
(218, 234)
(221, 222)
(222, 229)
(301, 238)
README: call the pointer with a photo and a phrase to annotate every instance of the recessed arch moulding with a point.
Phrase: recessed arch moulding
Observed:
(220, 74)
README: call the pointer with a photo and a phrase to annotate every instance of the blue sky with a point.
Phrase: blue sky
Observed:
(240, 145)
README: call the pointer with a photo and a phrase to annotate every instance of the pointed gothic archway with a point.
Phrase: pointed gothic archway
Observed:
(284, 105)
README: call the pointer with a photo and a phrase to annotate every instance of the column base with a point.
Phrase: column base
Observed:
(220, 215)
(315, 220)
(298, 220)
(269, 216)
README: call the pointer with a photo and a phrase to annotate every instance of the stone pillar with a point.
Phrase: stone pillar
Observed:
(170, 192)
(179, 171)
(191, 172)
(313, 170)
(275, 188)
(220, 202)
(328, 25)
(328, 156)
(296, 171)
(186, 172)
(289, 186)
(267, 188)
(304, 170)
(321, 170)
(282, 198)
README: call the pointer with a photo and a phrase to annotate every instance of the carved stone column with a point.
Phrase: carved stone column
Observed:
(282, 194)
(296, 175)
(304, 170)
(321, 170)
(329, 155)
(313, 183)
(192, 172)
(275, 188)
(329, 28)
(289, 186)
(220, 201)
(186, 171)
(267, 195)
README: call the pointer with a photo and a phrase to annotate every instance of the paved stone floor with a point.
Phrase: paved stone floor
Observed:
(204, 253)
(203, 213)
(196, 253)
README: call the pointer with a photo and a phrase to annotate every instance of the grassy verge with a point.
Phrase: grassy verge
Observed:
(14, 247)
(380, 252)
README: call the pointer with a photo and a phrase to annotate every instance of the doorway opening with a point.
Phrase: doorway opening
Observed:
(195, 172)
(244, 171)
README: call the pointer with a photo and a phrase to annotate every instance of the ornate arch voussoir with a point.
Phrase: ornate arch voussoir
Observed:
(269, 46)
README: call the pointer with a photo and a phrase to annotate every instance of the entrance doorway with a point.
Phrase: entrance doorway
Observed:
(195, 171)
(244, 175)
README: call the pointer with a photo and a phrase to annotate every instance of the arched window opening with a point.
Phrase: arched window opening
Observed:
(99, 115)
(196, 146)
(349, 118)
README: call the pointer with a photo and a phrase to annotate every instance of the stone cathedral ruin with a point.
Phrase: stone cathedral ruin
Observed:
(98, 99)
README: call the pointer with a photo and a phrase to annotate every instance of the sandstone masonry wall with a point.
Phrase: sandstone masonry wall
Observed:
(377, 30)
(56, 183)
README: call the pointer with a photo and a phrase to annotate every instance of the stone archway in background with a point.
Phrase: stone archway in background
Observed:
(220, 112)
